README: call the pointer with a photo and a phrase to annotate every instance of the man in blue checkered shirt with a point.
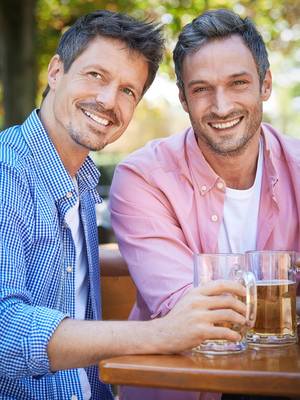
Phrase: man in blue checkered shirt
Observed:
(50, 339)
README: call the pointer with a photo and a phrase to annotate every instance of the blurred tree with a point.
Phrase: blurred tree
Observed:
(18, 58)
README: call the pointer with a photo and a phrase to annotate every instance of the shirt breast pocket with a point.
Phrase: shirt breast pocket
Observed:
(47, 227)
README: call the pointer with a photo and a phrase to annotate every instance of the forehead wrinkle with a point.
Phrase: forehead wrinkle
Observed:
(205, 64)
(132, 61)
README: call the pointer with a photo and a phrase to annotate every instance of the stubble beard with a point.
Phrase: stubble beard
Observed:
(82, 139)
(230, 146)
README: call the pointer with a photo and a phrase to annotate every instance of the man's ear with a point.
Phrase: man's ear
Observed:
(55, 71)
(266, 88)
(182, 97)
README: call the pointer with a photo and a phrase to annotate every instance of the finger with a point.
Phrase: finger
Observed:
(225, 315)
(225, 301)
(217, 287)
(220, 333)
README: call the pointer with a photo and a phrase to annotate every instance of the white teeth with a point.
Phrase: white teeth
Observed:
(225, 125)
(97, 119)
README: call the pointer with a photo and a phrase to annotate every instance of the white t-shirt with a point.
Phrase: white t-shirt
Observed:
(238, 230)
(73, 221)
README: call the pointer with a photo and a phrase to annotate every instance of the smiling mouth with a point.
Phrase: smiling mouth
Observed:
(96, 118)
(225, 125)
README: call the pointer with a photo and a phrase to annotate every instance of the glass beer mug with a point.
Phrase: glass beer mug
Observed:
(276, 321)
(208, 267)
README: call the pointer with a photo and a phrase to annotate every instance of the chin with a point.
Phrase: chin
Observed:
(96, 147)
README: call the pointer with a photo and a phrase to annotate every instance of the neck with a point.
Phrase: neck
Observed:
(71, 154)
(237, 170)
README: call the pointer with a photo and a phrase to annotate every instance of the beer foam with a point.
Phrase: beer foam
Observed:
(275, 282)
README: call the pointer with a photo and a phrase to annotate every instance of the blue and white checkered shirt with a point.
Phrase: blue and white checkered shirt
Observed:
(37, 260)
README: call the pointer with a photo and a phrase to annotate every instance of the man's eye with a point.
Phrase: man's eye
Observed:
(95, 75)
(129, 92)
(200, 89)
(239, 82)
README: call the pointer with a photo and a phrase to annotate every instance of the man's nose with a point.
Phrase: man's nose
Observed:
(222, 103)
(107, 97)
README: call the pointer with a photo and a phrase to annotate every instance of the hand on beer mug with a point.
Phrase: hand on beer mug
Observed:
(275, 274)
(212, 311)
(214, 270)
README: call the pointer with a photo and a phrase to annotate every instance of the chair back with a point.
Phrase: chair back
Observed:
(118, 291)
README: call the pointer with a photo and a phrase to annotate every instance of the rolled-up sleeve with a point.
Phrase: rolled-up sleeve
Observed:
(25, 332)
(151, 239)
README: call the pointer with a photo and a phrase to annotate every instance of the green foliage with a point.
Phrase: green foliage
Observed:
(278, 21)
(107, 172)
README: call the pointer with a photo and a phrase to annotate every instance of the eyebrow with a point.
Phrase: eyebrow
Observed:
(204, 82)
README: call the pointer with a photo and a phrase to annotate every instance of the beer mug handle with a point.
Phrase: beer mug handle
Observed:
(251, 297)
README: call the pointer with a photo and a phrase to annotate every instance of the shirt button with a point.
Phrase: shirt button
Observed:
(220, 185)
(74, 397)
(214, 218)
(203, 188)
(69, 195)
(69, 268)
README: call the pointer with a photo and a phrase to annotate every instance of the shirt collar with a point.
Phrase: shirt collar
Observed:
(51, 167)
(271, 148)
(208, 177)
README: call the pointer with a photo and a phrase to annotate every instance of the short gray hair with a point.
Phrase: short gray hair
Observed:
(141, 36)
(218, 24)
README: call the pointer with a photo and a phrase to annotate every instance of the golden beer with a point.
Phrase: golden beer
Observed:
(276, 310)
(212, 267)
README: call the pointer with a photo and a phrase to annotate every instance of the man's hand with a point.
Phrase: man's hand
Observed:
(199, 314)
(81, 343)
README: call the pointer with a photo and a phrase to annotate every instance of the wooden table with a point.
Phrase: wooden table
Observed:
(263, 372)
